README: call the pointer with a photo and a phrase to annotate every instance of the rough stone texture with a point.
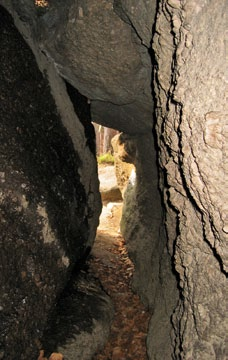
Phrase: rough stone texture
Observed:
(123, 161)
(99, 53)
(191, 79)
(140, 14)
(80, 322)
(89, 39)
(101, 49)
(109, 188)
(49, 197)
(125, 117)
(141, 226)
(103, 57)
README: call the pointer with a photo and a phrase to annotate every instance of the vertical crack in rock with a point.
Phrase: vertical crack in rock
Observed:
(95, 46)
(190, 87)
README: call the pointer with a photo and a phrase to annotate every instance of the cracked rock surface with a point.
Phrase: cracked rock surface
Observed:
(101, 49)
(191, 88)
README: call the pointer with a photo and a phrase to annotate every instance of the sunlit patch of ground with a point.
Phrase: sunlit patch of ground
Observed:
(111, 264)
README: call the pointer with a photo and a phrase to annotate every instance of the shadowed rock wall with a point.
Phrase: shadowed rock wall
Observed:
(142, 227)
(49, 213)
(102, 50)
(191, 77)
(99, 53)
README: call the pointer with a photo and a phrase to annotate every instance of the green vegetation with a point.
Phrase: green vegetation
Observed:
(105, 159)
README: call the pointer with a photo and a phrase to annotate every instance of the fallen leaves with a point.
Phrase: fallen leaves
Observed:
(128, 333)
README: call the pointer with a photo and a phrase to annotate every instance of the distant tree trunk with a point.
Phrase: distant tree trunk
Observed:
(98, 132)
(104, 136)
(107, 137)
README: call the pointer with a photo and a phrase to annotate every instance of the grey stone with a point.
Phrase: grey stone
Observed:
(101, 49)
(98, 53)
(133, 118)
(80, 324)
(109, 188)
(97, 38)
(142, 227)
(49, 214)
(140, 14)
(193, 119)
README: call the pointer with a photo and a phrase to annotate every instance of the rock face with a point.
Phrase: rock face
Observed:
(49, 213)
(109, 189)
(102, 51)
(191, 89)
(98, 53)
(124, 160)
(142, 227)
(80, 322)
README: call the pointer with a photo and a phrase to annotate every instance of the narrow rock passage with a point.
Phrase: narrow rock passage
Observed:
(110, 263)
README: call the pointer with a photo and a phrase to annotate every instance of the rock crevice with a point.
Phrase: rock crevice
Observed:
(99, 53)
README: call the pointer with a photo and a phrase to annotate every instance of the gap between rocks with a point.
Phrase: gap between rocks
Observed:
(110, 263)
(98, 317)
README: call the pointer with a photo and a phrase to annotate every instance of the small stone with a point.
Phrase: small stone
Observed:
(225, 229)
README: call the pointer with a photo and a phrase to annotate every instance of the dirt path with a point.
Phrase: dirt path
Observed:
(112, 266)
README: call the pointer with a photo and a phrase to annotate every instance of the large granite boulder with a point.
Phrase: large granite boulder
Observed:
(49, 198)
(142, 227)
(109, 188)
(191, 78)
(102, 50)
(80, 322)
